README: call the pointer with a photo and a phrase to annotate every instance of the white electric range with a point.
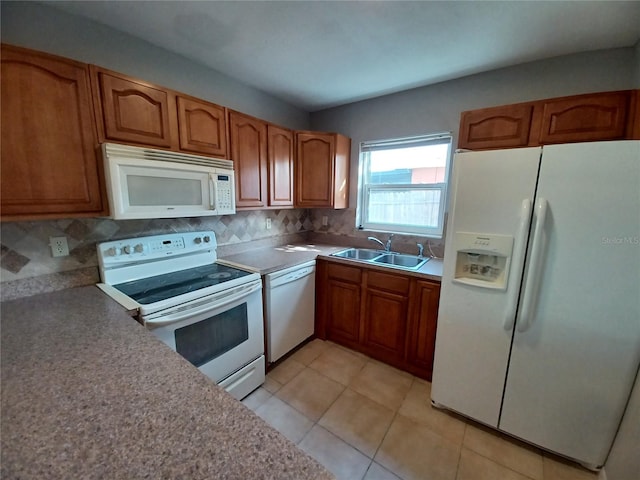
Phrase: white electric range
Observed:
(208, 312)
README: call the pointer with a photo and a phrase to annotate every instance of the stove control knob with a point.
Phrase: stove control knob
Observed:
(111, 252)
(126, 249)
(207, 239)
(198, 240)
(139, 248)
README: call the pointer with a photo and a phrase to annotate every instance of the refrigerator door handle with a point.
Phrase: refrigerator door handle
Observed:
(518, 261)
(531, 285)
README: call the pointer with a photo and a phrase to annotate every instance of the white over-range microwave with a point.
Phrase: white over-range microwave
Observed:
(150, 183)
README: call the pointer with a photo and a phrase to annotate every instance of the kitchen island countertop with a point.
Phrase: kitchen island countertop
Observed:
(89, 393)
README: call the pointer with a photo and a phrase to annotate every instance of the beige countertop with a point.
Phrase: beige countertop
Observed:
(87, 392)
(270, 259)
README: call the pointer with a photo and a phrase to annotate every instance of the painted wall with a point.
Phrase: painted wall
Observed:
(437, 108)
(47, 29)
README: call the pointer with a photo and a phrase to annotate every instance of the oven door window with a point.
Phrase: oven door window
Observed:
(203, 341)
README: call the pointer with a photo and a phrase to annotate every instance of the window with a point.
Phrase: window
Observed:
(403, 184)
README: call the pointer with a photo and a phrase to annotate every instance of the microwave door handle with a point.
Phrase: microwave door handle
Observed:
(210, 304)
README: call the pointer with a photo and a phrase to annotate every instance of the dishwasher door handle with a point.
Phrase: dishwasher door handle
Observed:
(276, 280)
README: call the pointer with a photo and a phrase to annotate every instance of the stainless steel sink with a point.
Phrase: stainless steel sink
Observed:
(400, 260)
(358, 253)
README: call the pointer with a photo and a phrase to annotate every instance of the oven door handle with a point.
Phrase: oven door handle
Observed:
(211, 303)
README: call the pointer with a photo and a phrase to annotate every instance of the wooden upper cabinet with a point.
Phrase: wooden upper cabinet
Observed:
(202, 127)
(248, 138)
(584, 118)
(280, 166)
(133, 111)
(499, 127)
(322, 170)
(50, 161)
(578, 118)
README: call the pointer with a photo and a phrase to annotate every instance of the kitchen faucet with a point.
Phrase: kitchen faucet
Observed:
(387, 247)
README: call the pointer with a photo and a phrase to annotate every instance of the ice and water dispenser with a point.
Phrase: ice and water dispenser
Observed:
(482, 260)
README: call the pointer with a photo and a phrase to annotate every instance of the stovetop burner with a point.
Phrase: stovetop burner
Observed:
(161, 287)
(219, 275)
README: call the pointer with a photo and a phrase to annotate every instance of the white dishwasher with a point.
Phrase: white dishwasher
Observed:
(290, 308)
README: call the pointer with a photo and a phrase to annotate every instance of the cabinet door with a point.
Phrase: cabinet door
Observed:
(50, 163)
(136, 112)
(585, 118)
(343, 322)
(385, 318)
(385, 315)
(280, 164)
(248, 138)
(498, 127)
(202, 127)
(315, 169)
(342, 298)
(422, 327)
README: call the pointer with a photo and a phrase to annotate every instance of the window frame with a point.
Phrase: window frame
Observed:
(365, 188)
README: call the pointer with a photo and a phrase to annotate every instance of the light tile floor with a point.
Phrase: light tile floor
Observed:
(364, 420)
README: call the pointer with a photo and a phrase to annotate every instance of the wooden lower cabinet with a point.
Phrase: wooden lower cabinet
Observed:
(342, 285)
(423, 321)
(388, 316)
(384, 318)
(344, 312)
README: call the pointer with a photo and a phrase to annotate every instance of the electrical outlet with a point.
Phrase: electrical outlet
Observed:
(268, 224)
(59, 246)
(325, 220)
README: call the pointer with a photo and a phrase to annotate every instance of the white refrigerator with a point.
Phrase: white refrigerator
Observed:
(539, 320)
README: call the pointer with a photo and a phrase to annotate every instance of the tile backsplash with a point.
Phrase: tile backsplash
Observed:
(341, 230)
(25, 251)
(27, 267)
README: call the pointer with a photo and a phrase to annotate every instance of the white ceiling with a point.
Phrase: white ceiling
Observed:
(319, 54)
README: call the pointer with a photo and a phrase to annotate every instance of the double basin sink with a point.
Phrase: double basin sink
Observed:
(379, 257)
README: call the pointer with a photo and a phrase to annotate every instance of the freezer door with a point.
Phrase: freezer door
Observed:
(475, 323)
(574, 362)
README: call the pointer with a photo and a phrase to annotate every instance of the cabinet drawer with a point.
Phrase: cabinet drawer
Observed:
(343, 272)
(388, 282)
